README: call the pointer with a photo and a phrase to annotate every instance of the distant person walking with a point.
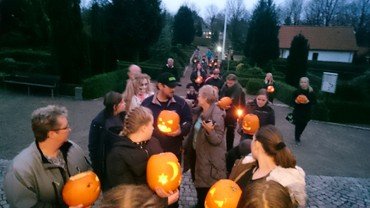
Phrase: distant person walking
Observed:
(303, 99)
(170, 68)
(269, 85)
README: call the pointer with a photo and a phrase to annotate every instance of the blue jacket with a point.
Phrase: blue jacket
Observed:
(177, 104)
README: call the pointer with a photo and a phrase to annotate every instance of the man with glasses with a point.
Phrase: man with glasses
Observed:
(215, 79)
(36, 176)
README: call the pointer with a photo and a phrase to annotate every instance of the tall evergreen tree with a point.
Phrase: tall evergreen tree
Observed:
(24, 23)
(183, 26)
(297, 60)
(198, 28)
(262, 42)
(103, 57)
(137, 25)
(68, 40)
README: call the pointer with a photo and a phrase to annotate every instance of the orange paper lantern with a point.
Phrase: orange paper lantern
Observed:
(163, 171)
(224, 193)
(224, 102)
(270, 89)
(168, 121)
(250, 124)
(83, 188)
(302, 99)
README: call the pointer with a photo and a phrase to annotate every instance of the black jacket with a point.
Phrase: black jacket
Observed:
(265, 113)
(104, 130)
(126, 163)
(302, 112)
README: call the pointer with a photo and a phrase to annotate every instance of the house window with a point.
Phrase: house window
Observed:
(315, 56)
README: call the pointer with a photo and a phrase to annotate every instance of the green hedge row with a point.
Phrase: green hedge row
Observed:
(98, 85)
(26, 55)
(348, 112)
(199, 41)
(26, 60)
(152, 70)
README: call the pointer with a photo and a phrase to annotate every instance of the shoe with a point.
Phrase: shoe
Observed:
(297, 143)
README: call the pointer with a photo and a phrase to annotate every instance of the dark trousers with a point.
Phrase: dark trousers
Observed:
(299, 128)
(230, 134)
(201, 195)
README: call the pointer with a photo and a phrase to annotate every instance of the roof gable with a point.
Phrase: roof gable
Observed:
(320, 38)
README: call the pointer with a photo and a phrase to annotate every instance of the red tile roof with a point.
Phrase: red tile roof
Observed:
(320, 38)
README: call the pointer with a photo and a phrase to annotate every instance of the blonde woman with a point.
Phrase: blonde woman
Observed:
(269, 81)
(302, 111)
(127, 160)
(141, 90)
(133, 196)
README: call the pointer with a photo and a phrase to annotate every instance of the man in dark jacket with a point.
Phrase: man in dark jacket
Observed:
(165, 99)
(170, 68)
(103, 130)
(234, 90)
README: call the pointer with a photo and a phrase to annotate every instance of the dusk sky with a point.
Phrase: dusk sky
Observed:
(173, 5)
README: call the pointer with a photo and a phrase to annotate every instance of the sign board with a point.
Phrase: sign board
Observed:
(329, 82)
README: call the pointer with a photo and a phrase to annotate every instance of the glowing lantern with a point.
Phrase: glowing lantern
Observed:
(250, 124)
(302, 99)
(224, 102)
(223, 194)
(199, 80)
(270, 89)
(168, 121)
(239, 112)
(83, 188)
(163, 171)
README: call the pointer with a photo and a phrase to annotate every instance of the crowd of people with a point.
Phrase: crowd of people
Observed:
(125, 134)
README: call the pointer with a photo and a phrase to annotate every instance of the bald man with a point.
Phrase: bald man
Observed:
(133, 70)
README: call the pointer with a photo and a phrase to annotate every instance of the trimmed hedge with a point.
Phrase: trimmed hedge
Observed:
(26, 60)
(152, 70)
(26, 55)
(199, 41)
(284, 92)
(253, 85)
(98, 85)
(348, 112)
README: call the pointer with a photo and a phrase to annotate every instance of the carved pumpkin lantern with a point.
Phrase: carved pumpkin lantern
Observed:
(224, 102)
(199, 80)
(83, 188)
(302, 99)
(250, 124)
(270, 89)
(224, 193)
(168, 121)
(163, 171)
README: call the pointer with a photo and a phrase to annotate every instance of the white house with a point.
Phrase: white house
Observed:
(332, 44)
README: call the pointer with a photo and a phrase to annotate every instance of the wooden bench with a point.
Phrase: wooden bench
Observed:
(33, 80)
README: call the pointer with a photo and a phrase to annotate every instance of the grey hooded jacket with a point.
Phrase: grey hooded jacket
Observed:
(32, 181)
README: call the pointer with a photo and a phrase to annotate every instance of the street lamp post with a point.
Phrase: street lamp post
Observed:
(224, 36)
